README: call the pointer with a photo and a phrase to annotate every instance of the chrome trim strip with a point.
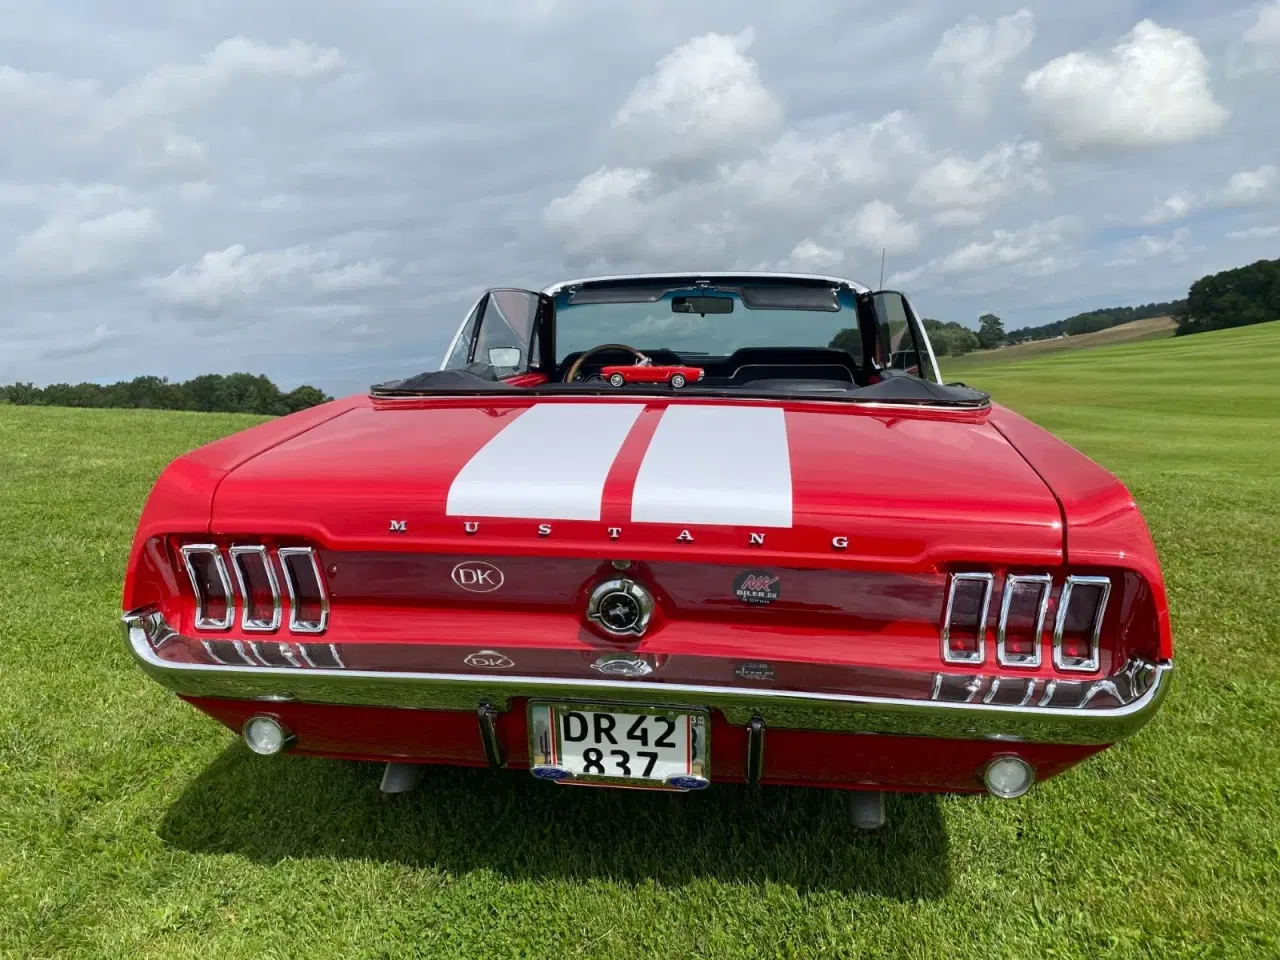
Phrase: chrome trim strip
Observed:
(781, 709)
(556, 288)
(1094, 662)
(1011, 584)
(247, 623)
(991, 694)
(755, 750)
(295, 624)
(201, 621)
(981, 654)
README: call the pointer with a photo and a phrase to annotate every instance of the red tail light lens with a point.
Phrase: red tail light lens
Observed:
(215, 603)
(1078, 630)
(259, 588)
(308, 601)
(964, 625)
(1022, 613)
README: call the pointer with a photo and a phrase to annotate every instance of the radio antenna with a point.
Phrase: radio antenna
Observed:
(882, 253)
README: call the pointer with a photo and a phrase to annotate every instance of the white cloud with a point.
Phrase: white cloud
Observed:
(1251, 186)
(1151, 90)
(78, 345)
(879, 225)
(1170, 247)
(812, 173)
(71, 245)
(223, 278)
(963, 189)
(973, 56)
(172, 88)
(365, 275)
(1035, 249)
(704, 102)
(809, 256)
(1176, 207)
(1255, 233)
(1260, 45)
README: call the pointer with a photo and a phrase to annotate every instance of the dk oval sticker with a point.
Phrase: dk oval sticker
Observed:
(477, 576)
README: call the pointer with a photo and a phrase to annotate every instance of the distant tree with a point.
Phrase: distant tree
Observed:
(990, 331)
(236, 393)
(950, 339)
(848, 340)
(1233, 298)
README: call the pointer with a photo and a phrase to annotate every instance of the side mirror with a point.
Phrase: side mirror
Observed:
(504, 356)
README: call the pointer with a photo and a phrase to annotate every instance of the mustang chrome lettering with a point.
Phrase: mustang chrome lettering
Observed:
(544, 530)
(399, 526)
(685, 537)
(477, 576)
(840, 543)
(471, 527)
(615, 533)
(756, 539)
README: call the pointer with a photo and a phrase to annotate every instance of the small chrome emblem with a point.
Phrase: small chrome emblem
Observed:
(840, 543)
(399, 526)
(489, 660)
(754, 671)
(622, 665)
(685, 537)
(471, 527)
(757, 539)
(478, 576)
(622, 608)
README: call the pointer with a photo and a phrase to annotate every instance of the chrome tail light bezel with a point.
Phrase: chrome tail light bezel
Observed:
(201, 621)
(248, 623)
(1094, 662)
(296, 624)
(980, 654)
(1011, 583)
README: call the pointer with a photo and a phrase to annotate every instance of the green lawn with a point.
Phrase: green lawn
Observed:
(131, 826)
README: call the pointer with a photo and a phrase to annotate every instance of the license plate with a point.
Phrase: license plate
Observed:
(656, 748)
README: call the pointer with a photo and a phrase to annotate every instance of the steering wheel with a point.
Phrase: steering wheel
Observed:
(577, 364)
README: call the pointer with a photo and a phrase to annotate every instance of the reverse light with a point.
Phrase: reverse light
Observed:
(266, 736)
(964, 625)
(215, 603)
(1008, 777)
(1078, 631)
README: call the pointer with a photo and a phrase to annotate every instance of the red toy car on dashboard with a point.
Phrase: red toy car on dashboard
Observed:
(648, 372)
(827, 569)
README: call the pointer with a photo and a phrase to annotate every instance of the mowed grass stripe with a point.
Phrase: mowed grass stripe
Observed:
(132, 826)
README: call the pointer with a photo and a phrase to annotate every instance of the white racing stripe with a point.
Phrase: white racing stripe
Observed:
(550, 463)
(720, 465)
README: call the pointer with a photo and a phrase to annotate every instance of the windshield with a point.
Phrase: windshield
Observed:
(698, 322)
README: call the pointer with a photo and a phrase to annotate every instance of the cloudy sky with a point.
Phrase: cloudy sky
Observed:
(317, 191)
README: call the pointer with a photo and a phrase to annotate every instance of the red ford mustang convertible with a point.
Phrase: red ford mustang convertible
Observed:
(818, 565)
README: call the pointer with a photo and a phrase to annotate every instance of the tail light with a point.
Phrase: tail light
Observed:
(1025, 604)
(964, 627)
(215, 603)
(1078, 631)
(258, 587)
(1022, 613)
(308, 602)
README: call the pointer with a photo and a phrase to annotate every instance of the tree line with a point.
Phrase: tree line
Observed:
(1233, 298)
(210, 393)
(1095, 320)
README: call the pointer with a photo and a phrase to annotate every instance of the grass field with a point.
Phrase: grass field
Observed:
(131, 826)
(1153, 328)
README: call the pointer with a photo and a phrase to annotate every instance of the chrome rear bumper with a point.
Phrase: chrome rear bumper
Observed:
(1090, 712)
